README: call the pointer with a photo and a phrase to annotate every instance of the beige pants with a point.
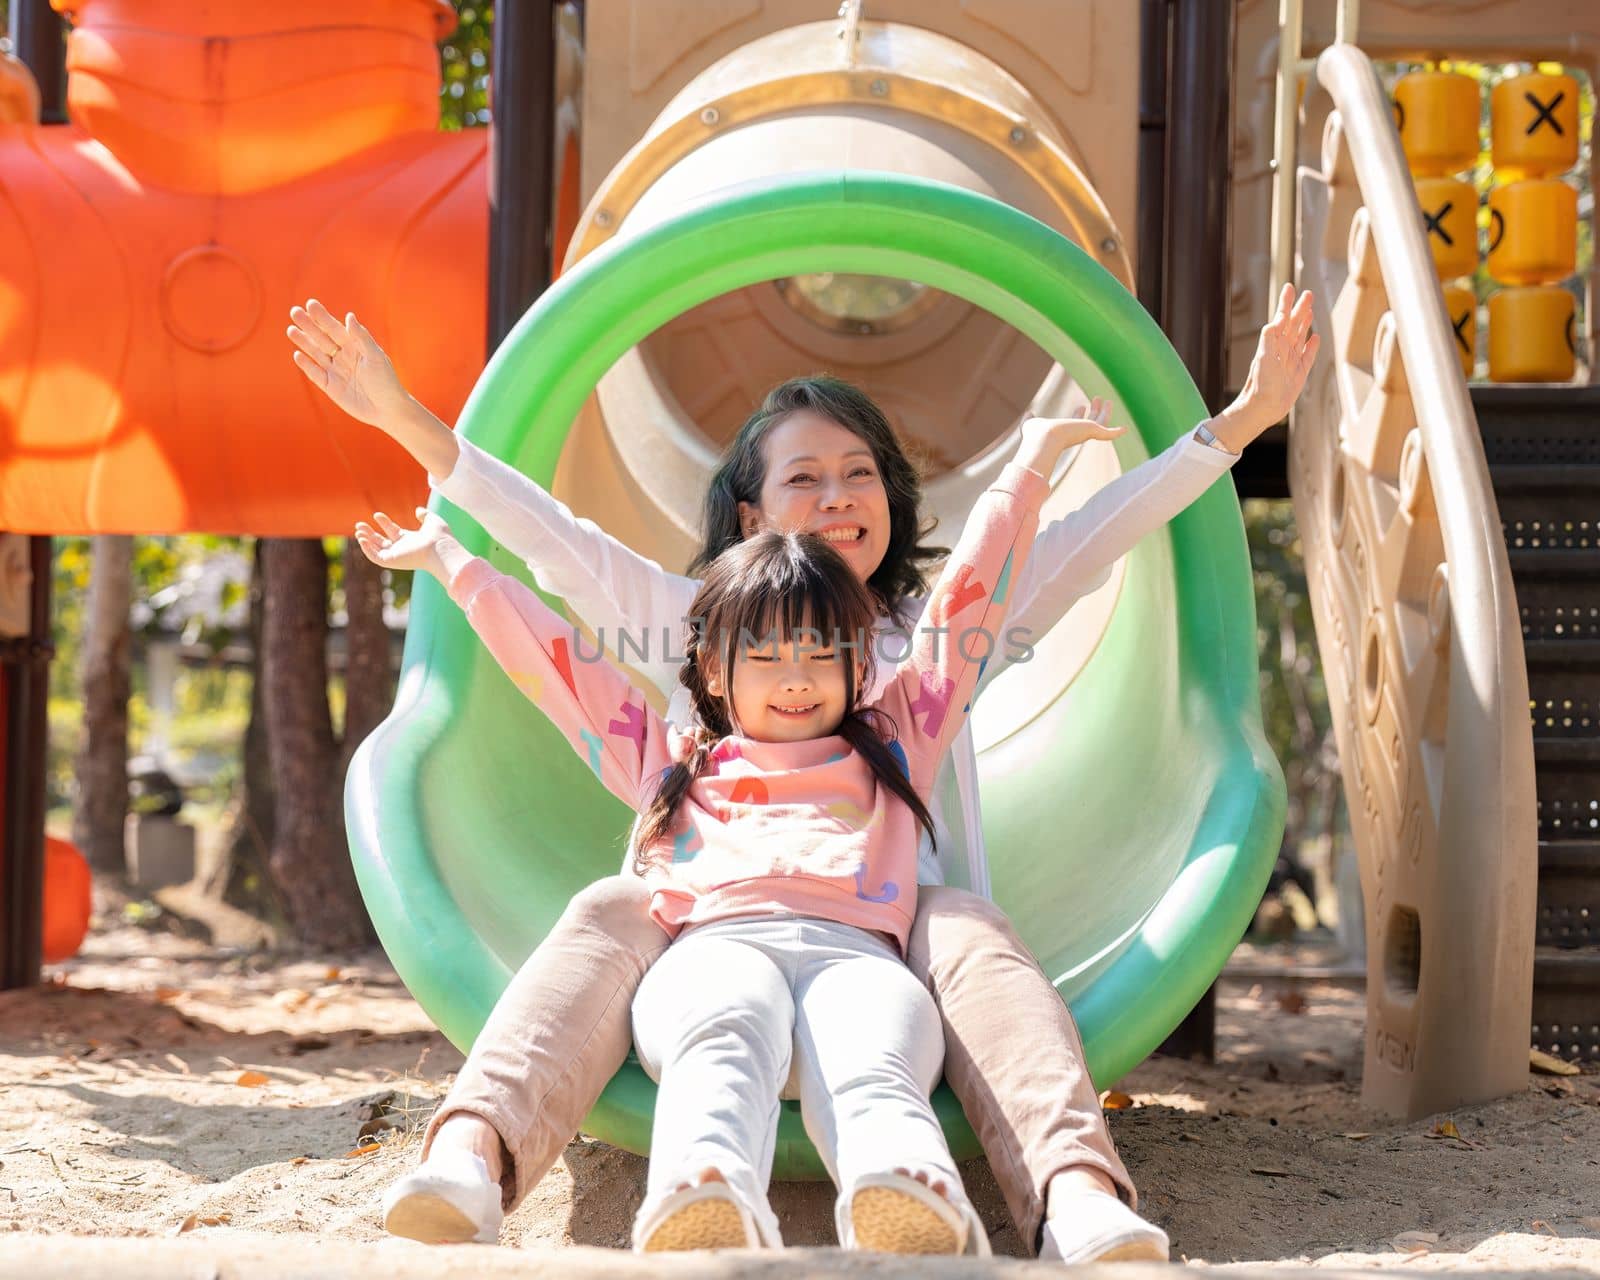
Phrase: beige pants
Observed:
(1012, 1053)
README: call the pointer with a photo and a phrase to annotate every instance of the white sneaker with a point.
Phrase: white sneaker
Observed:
(1091, 1226)
(448, 1199)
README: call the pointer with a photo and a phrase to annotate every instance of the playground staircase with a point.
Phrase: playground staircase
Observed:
(1542, 445)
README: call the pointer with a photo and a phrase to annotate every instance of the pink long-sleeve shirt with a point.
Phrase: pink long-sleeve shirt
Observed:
(791, 828)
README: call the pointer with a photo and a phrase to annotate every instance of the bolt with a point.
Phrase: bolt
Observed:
(1018, 135)
(879, 88)
(1108, 245)
(710, 116)
(603, 218)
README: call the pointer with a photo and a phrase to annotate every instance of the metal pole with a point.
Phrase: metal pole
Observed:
(1194, 289)
(1151, 214)
(521, 159)
(1283, 145)
(27, 679)
(1199, 173)
(38, 39)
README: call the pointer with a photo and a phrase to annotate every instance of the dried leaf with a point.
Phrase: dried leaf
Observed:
(1447, 1129)
(332, 974)
(300, 1160)
(1272, 1173)
(1188, 1137)
(1540, 1223)
(1356, 1137)
(253, 1079)
(291, 998)
(365, 1149)
(1292, 1002)
(189, 1224)
(1416, 1241)
(1546, 1064)
(380, 1124)
(1115, 1100)
(165, 994)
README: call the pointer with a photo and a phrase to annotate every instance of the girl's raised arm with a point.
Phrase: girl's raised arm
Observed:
(606, 719)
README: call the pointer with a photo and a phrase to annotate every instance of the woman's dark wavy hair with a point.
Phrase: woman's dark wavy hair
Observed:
(772, 586)
(743, 469)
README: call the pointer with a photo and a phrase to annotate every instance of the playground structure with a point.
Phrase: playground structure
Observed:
(728, 111)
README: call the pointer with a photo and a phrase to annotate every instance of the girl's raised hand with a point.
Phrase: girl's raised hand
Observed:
(1045, 439)
(392, 547)
(345, 362)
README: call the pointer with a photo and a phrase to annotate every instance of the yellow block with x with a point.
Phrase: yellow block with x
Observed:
(1533, 125)
(1461, 306)
(1532, 335)
(1450, 222)
(1437, 115)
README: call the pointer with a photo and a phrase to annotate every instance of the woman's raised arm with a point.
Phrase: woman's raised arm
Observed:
(616, 591)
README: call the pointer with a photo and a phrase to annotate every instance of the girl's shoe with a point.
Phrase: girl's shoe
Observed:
(705, 1217)
(1092, 1226)
(448, 1199)
(893, 1213)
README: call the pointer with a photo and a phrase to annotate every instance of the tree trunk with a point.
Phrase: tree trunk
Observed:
(310, 860)
(368, 677)
(101, 768)
(243, 879)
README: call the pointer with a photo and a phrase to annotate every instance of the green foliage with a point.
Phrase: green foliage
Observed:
(464, 66)
(1294, 697)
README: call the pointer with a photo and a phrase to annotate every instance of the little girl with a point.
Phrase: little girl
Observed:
(778, 837)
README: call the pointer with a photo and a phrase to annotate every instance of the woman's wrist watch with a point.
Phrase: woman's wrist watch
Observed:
(1205, 435)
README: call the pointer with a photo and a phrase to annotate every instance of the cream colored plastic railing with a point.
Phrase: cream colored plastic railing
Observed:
(1417, 622)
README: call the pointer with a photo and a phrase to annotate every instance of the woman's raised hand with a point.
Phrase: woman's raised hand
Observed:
(1045, 439)
(385, 543)
(1284, 355)
(345, 362)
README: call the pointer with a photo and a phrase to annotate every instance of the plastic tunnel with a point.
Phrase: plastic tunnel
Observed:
(1132, 813)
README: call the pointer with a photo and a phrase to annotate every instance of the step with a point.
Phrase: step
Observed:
(1547, 562)
(1559, 655)
(1566, 753)
(1544, 477)
(1566, 1002)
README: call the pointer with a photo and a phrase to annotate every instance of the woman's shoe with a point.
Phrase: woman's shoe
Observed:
(448, 1199)
(705, 1217)
(1092, 1226)
(893, 1213)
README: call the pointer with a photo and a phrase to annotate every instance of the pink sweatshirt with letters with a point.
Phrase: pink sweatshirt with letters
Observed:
(791, 828)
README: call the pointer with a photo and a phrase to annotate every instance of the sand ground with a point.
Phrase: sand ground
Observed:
(166, 1084)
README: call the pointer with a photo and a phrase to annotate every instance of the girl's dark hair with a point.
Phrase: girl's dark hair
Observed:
(743, 469)
(770, 588)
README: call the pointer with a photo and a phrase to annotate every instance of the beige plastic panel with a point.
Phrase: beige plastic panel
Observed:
(1417, 623)
(1565, 31)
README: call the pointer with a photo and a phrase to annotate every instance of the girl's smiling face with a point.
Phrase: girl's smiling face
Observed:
(786, 688)
(822, 478)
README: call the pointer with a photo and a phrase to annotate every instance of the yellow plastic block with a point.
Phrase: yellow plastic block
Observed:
(1532, 335)
(1533, 232)
(1461, 306)
(1533, 124)
(1450, 221)
(1437, 115)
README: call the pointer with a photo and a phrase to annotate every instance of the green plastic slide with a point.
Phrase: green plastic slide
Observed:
(1131, 819)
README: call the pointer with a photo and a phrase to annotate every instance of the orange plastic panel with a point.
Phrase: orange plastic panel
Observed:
(1532, 335)
(1533, 232)
(1533, 124)
(1450, 219)
(1437, 115)
(145, 384)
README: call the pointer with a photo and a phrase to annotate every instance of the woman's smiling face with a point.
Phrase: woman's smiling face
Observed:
(822, 478)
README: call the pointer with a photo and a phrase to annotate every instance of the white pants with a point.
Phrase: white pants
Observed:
(722, 1017)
